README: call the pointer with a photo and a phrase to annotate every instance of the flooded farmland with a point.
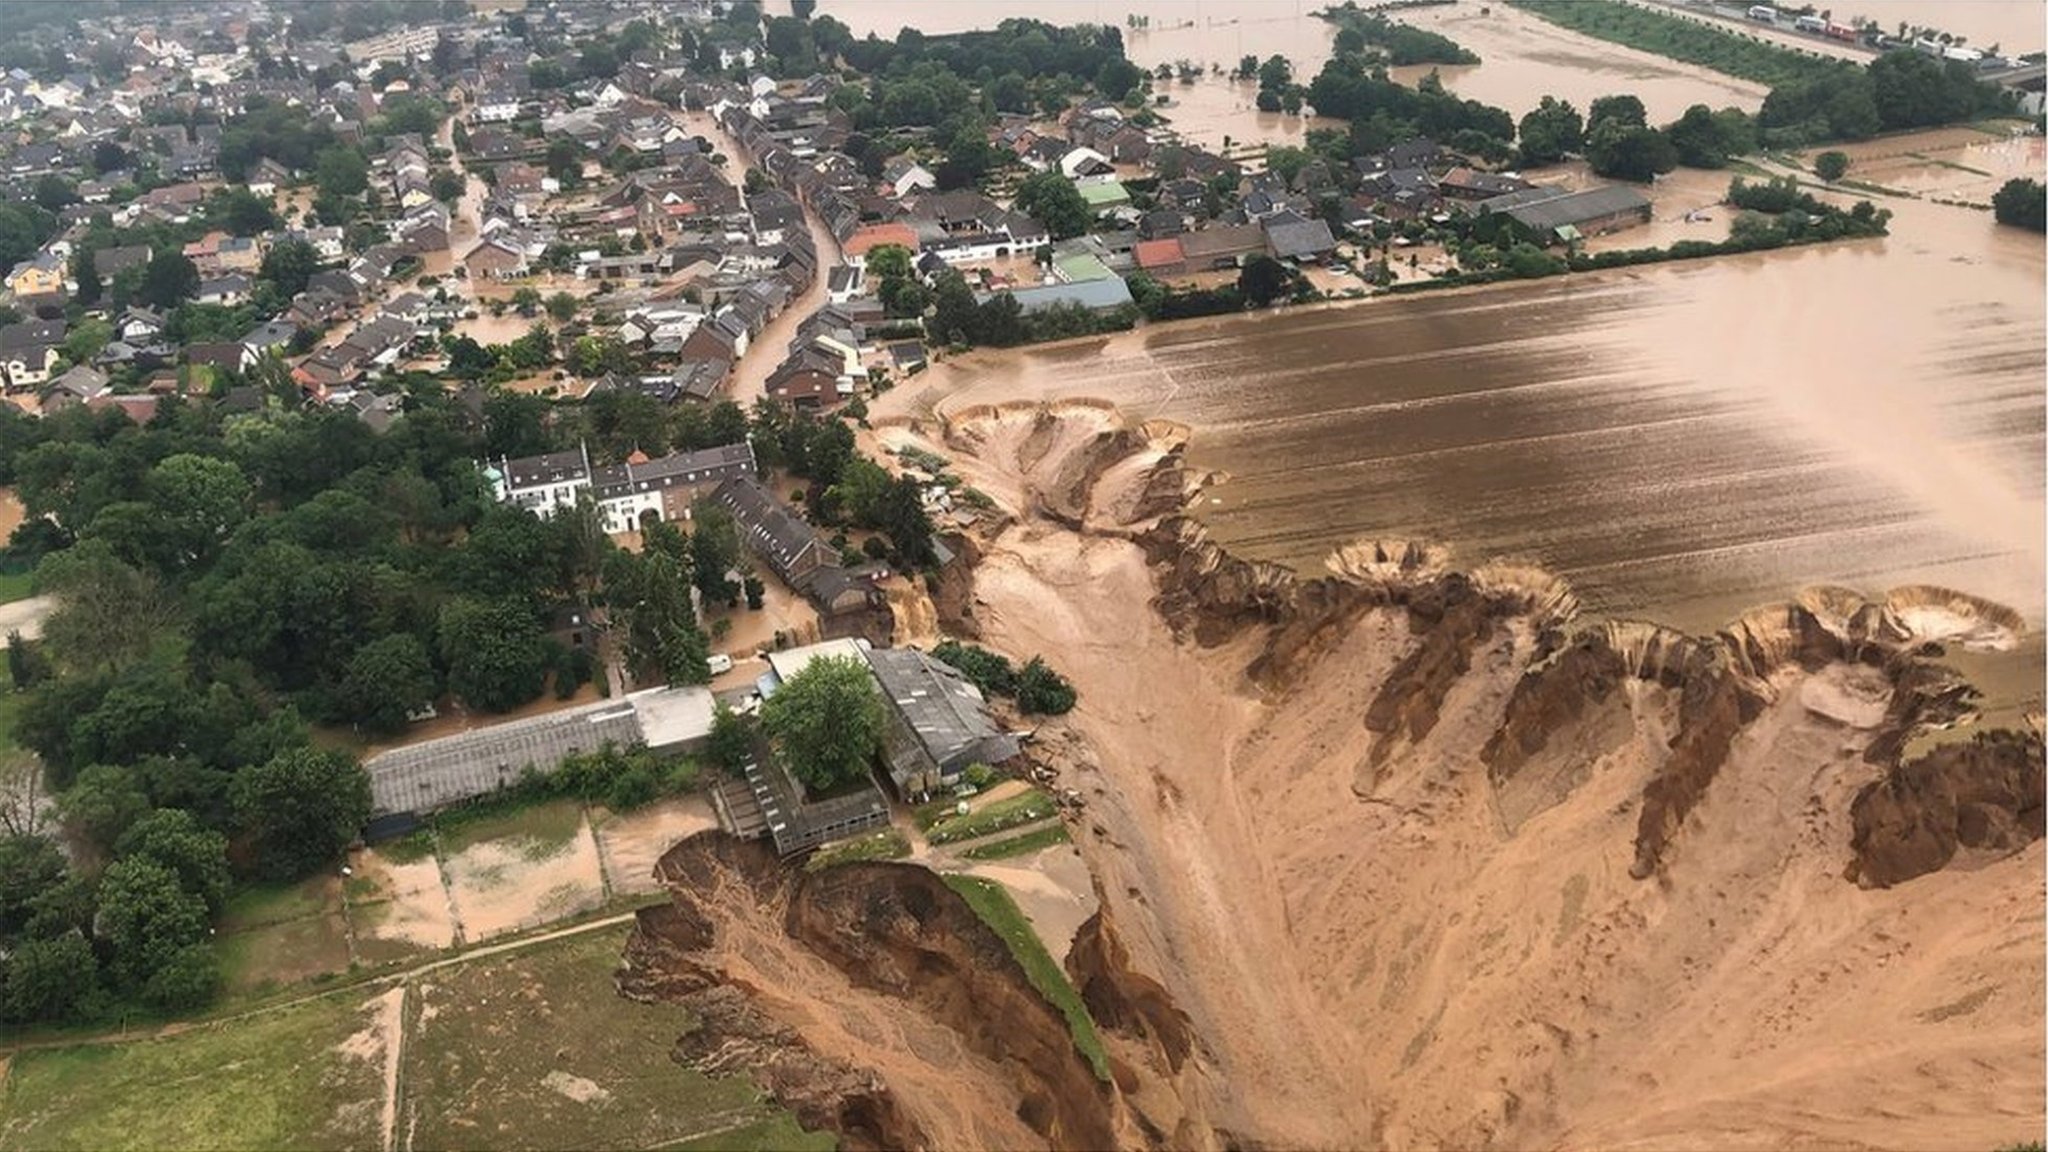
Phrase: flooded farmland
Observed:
(1680, 442)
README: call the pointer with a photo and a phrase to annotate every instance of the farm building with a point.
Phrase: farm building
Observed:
(411, 781)
(938, 721)
(1553, 213)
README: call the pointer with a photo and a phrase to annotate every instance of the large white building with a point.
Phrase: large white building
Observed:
(629, 495)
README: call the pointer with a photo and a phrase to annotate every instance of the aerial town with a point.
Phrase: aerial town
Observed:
(803, 574)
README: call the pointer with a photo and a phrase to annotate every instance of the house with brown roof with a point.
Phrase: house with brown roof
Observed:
(1163, 257)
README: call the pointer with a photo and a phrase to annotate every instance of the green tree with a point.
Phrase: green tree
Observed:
(300, 809)
(1275, 74)
(494, 653)
(86, 274)
(1040, 690)
(84, 342)
(289, 267)
(102, 804)
(387, 679)
(1550, 131)
(561, 307)
(46, 980)
(189, 979)
(1053, 201)
(197, 855)
(714, 552)
(1627, 153)
(732, 739)
(341, 171)
(2022, 203)
(826, 721)
(147, 918)
(1626, 111)
(169, 280)
(526, 300)
(199, 500)
(1831, 166)
(1264, 280)
(890, 261)
(30, 865)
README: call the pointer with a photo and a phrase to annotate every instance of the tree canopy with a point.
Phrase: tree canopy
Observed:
(826, 722)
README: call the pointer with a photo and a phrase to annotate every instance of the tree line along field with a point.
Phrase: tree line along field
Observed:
(525, 1049)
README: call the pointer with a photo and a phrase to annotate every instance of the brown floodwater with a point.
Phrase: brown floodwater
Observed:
(1681, 442)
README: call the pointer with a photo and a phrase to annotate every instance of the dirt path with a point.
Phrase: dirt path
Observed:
(392, 1020)
(26, 616)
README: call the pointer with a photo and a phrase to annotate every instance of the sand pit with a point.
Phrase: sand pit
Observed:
(397, 908)
(513, 882)
(632, 842)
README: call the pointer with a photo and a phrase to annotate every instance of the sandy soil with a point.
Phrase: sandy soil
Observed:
(383, 1041)
(1373, 957)
(11, 513)
(405, 907)
(504, 885)
(632, 842)
(1053, 889)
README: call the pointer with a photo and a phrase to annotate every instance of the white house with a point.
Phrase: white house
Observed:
(627, 495)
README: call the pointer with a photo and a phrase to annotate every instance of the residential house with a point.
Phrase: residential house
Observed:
(792, 548)
(904, 175)
(641, 491)
(111, 262)
(1463, 183)
(39, 275)
(540, 484)
(227, 291)
(1222, 246)
(28, 352)
(1290, 237)
(496, 259)
(1162, 258)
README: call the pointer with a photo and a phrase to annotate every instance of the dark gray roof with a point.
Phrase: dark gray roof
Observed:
(434, 774)
(1297, 237)
(553, 468)
(675, 468)
(766, 525)
(1560, 208)
(935, 707)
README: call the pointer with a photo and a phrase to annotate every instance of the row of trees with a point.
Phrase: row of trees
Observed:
(1037, 689)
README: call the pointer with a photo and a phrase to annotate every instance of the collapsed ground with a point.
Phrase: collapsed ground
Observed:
(1405, 857)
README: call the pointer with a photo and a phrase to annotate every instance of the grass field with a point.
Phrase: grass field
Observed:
(1032, 841)
(1016, 811)
(15, 585)
(544, 828)
(280, 1080)
(995, 907)
(534, 1049)
(1722, 49)
(887, 844)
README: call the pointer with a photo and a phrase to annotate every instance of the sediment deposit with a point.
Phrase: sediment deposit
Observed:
(1399, 855)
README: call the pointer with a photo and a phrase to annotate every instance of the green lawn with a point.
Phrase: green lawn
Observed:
(546, 827)
(1042, 837)
(887, 844)
(279, 1080)
(992, 902)
(535, 1049)
(1014, 812)
(14, 585)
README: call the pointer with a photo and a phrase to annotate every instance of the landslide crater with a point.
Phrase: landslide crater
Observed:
(871, 1001)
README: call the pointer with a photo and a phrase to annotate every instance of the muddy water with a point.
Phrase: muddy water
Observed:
(1681, 442)
(1523, 58)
